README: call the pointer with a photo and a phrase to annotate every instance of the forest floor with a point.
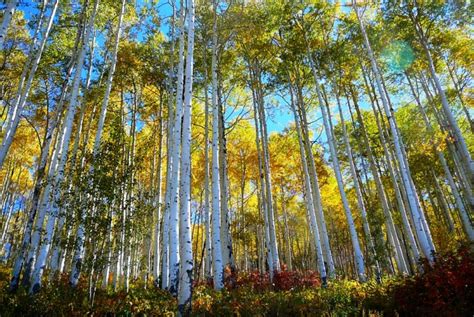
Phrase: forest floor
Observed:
(444, 289)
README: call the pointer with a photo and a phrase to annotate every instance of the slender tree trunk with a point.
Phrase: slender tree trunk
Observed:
(315, 191)
(186, 247)
(226, 239)
(218, 265)
(158, 200)
(207, 215)
(466, 222)
(400, 194)
(165, 232)
(175, 175)
(7, 17)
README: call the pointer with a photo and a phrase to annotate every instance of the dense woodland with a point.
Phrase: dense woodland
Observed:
(180, 146)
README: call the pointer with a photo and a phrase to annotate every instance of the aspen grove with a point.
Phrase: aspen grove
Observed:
(192, 147)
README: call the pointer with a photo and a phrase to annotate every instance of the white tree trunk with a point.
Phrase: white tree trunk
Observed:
(399, 192)
(218, 265)
(226, 239)
(7, 17)
(262, 205)
(207, 216)
(186, 246)
(175, 175)
(318, 207)
(169, 163)
(268, 189)
(7, 221)
(463, 213)
(158, 203)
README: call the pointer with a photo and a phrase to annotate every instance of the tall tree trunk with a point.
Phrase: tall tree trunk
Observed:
(207, 215)
(267, 185)
(158, 203)
(186, 247)
(466, 222)
(169, 161)
(317, 201)
(39, 181)
(7, 17)
(226, 239)
(218, 265)
(173, 202)
(390, 226)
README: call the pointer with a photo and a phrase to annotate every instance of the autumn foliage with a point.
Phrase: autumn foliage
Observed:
(445, 289)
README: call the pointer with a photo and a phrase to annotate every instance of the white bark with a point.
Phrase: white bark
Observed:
(169, 165)
(218, 265)
(390, 226)
(268, 186)
(227, 253)
(463, 213)
(186, 246)
(7, 17)
(262, 206)
(207, 216)
(176, 159)
(158, 203)
(318, 207)
(399, 193)
(7, 221)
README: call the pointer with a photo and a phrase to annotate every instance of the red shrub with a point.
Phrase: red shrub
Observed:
(446, 288)
(282, 281)
(287, 280)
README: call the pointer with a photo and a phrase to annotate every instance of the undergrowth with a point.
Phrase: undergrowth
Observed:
(444, 289)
